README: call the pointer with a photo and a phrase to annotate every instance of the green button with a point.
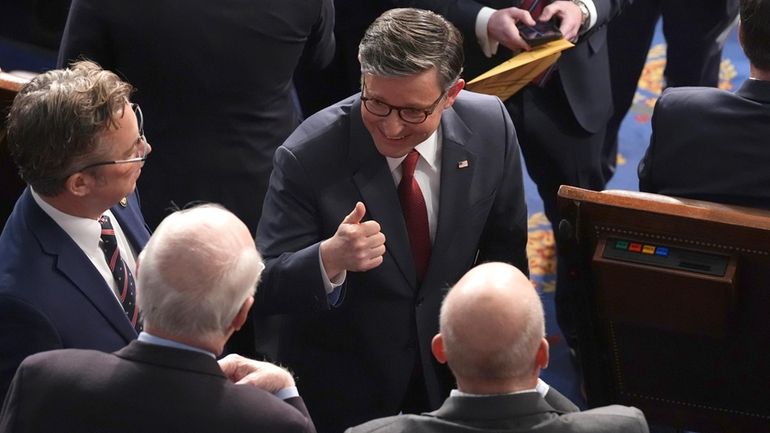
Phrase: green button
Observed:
(621, 245)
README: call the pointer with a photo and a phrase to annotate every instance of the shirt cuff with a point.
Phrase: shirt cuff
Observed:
(330, 285)
(488, 46)
(591, 13)
(287, 393)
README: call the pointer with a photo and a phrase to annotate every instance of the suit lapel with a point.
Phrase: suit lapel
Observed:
(458, 165)
(131, 222)
(73, 264)
(375, 184)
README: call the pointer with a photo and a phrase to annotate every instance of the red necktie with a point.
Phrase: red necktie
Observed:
(415, 214)
(121, 273)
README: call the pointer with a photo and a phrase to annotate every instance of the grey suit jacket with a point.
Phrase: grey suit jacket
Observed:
(354, 361)
(710, 144)
(527, 412)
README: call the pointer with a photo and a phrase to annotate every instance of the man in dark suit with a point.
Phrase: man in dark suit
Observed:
(367, 278)
(561, 121)
(80, 147)
(695, 32)
(216, 78)
(710, 144)
(195, 288)
(492, 335)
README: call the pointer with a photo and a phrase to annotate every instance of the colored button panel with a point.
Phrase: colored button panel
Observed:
(637, 248)
(661, 251)
(621, 245)
(648, 249)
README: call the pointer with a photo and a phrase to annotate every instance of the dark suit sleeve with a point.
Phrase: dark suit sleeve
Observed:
(289, 236)
(505, 233)
(299, 404)
(559, 402)
(23, 331)
(86, 35)
(646, 165)
(320, 46)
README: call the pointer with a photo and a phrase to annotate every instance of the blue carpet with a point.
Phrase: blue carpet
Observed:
(634, 139)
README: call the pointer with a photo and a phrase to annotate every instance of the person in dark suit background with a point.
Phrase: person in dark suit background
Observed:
(710, 144)
(695, 32)
(80, 147)
(492, 335)
(561, 122)
(362, 280)
(195, 285)
(217, 80)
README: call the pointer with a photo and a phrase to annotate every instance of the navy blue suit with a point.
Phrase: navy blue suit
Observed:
(353, 362)
(710, 144)
(51, 295)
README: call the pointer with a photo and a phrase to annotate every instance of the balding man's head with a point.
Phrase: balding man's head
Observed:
(492, 327)
(196, 273)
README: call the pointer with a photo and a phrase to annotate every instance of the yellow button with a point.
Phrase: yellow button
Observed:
(648, 249)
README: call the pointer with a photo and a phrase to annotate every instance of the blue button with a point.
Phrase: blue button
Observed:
(661, 251)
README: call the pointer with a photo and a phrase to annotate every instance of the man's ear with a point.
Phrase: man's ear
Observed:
(78, 184)
(453, 92)
(243, 314)
(542, 357)
(437, 347)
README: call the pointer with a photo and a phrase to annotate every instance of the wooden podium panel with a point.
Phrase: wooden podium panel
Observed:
(674, 306)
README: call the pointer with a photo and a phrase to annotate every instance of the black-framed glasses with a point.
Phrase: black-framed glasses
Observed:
(407, 114)
(142, 142)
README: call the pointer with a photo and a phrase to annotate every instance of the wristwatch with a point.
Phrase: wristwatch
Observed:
(586, 15)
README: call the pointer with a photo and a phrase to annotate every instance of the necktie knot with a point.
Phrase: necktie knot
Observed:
(409, 164)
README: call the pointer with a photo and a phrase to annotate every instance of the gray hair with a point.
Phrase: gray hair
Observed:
(56, 119)
(406, 41)
(196, 271)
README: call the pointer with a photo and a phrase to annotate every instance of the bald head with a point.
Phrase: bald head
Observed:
(492, 326)
(196, 272)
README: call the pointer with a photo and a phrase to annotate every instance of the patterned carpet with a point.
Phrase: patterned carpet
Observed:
(634, 139)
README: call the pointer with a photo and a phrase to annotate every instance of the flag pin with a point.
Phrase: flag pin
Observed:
(124, 202)
(462, 164)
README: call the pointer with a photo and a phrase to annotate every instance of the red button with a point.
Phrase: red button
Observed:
(637, 248)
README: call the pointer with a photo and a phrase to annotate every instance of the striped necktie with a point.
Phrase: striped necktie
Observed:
(121, 273)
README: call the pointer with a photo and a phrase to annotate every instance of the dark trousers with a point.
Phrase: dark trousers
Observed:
(557, 151)
(694, 51)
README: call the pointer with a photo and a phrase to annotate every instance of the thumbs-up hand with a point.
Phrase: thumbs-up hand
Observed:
(356, 246)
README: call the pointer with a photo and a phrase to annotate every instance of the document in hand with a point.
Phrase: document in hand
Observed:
(508, 77)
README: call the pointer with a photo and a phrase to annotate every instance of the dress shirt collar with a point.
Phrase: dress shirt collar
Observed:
(146, 337)
(541, 388)
(428, 149)
(85, 232)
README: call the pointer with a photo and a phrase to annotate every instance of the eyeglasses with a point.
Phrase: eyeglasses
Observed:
(142, 141)
(407, 114)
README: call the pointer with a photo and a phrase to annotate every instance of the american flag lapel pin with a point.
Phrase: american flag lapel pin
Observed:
(462, 164)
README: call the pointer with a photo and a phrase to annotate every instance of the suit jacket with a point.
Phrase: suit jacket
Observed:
(140, 388)
(527, 412)
(354, 361)
(709, 144)
(584, 69)
(215, 84)
(51, 295)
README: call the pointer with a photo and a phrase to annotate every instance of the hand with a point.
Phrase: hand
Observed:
(570, 15)
(356, 246)
(263, 375)
(502, 27)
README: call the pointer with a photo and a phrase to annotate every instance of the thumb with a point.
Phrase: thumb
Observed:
(357, 215)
